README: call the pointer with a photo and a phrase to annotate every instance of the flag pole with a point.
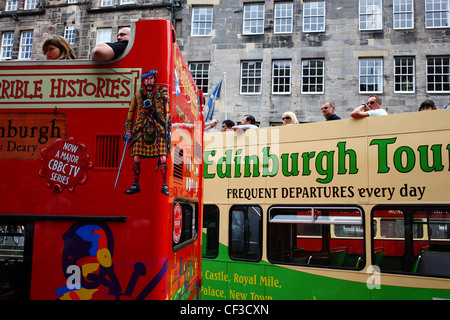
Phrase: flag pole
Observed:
(212, 100)
(225, 94)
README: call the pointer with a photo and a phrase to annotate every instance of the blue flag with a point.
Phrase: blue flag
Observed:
(212, 101)
(177, 83)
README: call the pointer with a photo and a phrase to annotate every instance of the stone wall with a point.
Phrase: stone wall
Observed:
(341, 46)
(86, 16)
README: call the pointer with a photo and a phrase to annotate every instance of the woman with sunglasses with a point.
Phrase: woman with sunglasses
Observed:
(289, 118)
(372, 108)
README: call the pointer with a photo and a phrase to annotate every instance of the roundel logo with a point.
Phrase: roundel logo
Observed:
(65, 164)
(177, 222)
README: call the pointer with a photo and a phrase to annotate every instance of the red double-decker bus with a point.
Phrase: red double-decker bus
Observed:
(101, 174)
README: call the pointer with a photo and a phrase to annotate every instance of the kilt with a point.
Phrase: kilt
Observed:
(149, 135)
(148, 149)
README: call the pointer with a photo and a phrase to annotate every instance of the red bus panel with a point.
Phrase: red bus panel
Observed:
(62, 137)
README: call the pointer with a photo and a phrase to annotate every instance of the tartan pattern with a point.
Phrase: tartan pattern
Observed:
(148, 150)
(144, 121)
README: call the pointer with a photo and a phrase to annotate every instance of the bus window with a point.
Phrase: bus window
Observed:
(245, 233)
(407, 234)
(210, 242)
(185, 224)
(439, 228)
(316, 236)
(392, 228)
(15, 260)
(342, 231)
(395, 229)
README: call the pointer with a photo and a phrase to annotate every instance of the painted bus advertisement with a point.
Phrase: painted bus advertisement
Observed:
(101, 171)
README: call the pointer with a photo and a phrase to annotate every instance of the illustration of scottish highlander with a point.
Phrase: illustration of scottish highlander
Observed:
(148, 128)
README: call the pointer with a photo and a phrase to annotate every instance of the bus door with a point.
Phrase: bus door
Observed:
(15, 258)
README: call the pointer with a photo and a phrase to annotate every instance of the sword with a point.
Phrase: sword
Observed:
(126, 139)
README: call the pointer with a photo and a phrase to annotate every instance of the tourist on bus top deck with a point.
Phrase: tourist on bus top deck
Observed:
(111, 50)
(227, 125)
(248, 122)
(427, 105)
(58, 48)
(148, 133)
(289, 118)
(328, 109)
(372, 108)
(211, 124)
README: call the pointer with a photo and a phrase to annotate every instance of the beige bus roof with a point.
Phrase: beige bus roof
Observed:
(402, 158)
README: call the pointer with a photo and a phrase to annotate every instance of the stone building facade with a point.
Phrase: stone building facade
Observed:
(276, 56)
(341, 45)
(79, 19)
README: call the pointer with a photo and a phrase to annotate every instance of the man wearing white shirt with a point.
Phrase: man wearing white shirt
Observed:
(372, 108)
(248, 122)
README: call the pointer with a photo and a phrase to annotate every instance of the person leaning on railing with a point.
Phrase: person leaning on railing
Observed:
(372, 108)
(110, 50)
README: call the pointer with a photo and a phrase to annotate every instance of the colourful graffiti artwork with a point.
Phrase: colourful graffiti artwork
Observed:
(87, 263)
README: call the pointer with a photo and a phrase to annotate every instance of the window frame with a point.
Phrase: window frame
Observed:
(30, 4)
(26, 44)
(398, 14)
(69, 34)
(253, 78)
(376, 76)
(313, 225)
(436, 75)
(211, 211)
(22, 286)
(259, 236)
(377, 24)
(103, 35)
(285, 21)
(12, 5)
(315, 77)
(247, 22)
(107, 3)
(307, 6)
(402, 75)
(184, 241)
(7, 46)
(282, 80)
(200, 73)
(430, 14)
(399, 250)
(203, 23)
